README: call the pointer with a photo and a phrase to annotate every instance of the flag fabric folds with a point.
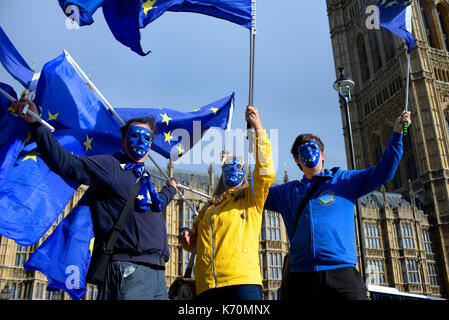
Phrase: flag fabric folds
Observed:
(63, 257)
(179, 131)
(31, 195)
(396, 16)
(15, 64)
(126, 18)
(86, 9)
(13, 132)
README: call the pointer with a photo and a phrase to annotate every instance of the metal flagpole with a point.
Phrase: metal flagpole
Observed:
(29, 112)
(252, 48)
(111, 109)
(407, 89)
(183, 187)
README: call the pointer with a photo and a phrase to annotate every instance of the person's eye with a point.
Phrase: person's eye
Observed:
(134, 135)
(147, 139)
(313, 147)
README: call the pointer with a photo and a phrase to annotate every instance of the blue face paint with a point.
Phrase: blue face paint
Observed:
(234, 171)
(138, 141)
(309, 153)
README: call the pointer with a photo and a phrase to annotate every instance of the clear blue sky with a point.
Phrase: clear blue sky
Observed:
(198, 59)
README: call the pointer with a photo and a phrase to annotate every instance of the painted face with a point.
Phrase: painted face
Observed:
(138, 141)
(234, 171)
(309, 153)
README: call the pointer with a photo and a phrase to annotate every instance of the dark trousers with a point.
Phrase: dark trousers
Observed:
(130, 281)
(237, 292)
(337, 284)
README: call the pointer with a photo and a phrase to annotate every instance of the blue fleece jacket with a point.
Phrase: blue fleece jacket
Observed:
(144, 237)
(325, 234)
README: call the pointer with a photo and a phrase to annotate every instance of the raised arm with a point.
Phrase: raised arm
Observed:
(263, 174)
(368, 180)
(80, 169)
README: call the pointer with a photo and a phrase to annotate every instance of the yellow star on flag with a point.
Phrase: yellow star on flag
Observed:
(197, 110)
(165, 118)
(140, 197)
(180, 150)
(88, 143)
(168, 137)
(91, 245)
(214, 110)
(52, 116)
(32, 155)
(12, 111)
(148, 5)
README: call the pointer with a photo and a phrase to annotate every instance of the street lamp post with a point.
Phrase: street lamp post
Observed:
(344, 85)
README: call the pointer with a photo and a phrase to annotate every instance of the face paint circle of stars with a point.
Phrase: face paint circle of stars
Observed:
(234, 171)
(138, 141)
(309, 153)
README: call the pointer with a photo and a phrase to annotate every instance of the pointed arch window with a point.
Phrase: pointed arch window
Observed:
(363, 58)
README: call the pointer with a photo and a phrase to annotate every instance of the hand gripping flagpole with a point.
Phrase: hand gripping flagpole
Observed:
(111, 109)
(407, 90)
(252, 48)
(28, 111)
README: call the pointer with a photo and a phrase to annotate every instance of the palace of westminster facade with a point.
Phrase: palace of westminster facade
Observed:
(405, 223)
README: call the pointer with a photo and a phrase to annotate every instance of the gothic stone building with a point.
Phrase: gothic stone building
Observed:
(376, 60)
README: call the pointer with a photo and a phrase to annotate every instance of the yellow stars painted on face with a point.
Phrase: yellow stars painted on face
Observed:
(148, 5)
(32, 155)
(165, 118)
(168, 137)
(214, 110)
(88, 143)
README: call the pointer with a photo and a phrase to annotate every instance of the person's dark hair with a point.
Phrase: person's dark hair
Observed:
(148, 120)
(303, 138)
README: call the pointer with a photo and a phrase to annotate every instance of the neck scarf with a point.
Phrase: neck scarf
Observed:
(147, 198)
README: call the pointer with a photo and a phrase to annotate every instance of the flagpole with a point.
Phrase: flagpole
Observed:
(252, 48)
(407, 90)
(183, 187)
(112, 110)
(28, 111)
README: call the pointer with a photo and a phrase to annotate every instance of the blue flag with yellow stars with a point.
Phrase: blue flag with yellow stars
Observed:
(396, 16)
(31, 195)
(179, 131)
(65, 255)
(13, 132)
(126, 18)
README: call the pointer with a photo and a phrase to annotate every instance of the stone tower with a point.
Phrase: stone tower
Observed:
(376, 60)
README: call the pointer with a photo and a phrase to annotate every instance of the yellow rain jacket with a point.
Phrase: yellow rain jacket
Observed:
(228, 234)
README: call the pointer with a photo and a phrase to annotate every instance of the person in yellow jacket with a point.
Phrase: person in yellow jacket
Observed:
(226, 231)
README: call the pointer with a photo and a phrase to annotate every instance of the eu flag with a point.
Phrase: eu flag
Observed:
(13, 132)
(32, 196)
(126, 18)
(84, 11)
(63, 257)
(396, 16)
(179, 131)
(15, 64)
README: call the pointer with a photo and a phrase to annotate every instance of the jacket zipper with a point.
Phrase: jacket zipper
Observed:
(212, 246)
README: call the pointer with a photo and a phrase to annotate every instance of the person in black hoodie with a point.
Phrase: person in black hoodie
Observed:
(137, 268)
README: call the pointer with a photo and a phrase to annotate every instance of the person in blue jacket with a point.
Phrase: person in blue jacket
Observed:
(137, 267)
(322, 251)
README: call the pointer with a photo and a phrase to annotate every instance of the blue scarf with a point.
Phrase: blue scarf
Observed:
(147, 198)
